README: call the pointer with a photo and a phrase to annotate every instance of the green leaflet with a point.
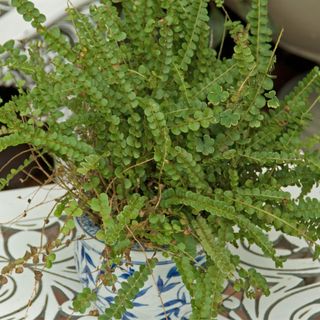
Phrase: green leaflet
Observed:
(188, 272)
(242, 53)
(90, 162)
(13, 139)
(131, 210)
(268, 157)
(229, 118)
(306, 209)
(217, 95)
(187, 164)
(29, 12)
(260, 34)
(215, 249)
(158, 127)
(13, 172)
(209, 295)
(83, 300)
(258, 236)
(198, 17)
(199, 203)
(220, 209)
(264, 194)
(290, 115)
(129, 289)
(114, 232)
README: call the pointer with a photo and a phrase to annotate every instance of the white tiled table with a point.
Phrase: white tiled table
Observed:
(295, 290)
(51, 298)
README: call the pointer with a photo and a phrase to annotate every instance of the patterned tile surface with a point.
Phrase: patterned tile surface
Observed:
(295, 290)
(51, 296)
(4, 6)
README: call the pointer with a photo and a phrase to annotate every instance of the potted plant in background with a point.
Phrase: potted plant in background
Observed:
(168, 154)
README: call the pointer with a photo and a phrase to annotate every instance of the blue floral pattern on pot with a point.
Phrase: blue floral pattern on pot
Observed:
(165, 281)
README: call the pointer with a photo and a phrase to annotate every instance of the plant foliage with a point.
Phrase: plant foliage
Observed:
(167, 144)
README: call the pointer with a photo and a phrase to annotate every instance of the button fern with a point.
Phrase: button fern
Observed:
(166, 143)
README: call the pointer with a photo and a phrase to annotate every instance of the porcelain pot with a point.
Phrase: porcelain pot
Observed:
(165, 280)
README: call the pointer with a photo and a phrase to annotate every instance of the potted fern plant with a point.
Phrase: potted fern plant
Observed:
(168, 155)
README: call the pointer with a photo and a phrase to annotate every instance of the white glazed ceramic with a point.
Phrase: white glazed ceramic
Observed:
(165, 280)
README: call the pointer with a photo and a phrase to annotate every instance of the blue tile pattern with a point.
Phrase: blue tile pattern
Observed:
(165, 281)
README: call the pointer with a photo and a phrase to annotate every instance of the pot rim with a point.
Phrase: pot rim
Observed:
(81, 228)
(138, 256)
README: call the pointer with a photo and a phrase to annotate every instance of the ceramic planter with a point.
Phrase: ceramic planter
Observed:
(165, 281)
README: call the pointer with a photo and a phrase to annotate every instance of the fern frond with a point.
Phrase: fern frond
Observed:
(271, 157)
(188, 169)
(30, 13)
(55, 40)
(197, 19)
(188, 272)
(12, 140)
(242, 53)
(129, 289)
(158, 126)
(142, 15)
(264, 194)
(64, 146)
(261, 34)
(291, 115)
(58, 42)
(155, 117)
(192, 120)
(253, 233)
(205, 289)
(166, 41)
(13, 172)
(209, 290)
(131, 210)
(215, 249)
(199, 203)
(307, 209)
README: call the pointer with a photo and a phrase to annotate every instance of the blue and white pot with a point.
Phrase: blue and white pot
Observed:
(165, 281)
